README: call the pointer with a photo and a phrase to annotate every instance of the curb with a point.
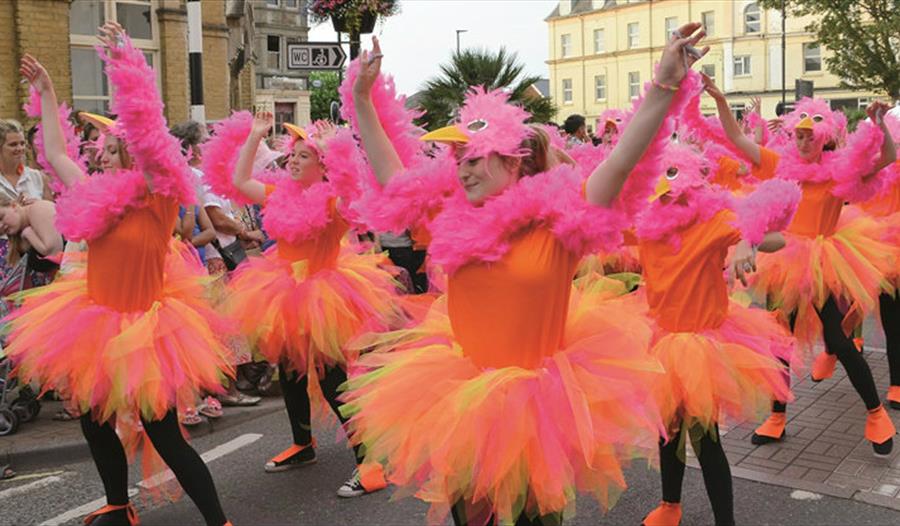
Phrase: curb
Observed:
(75, 451)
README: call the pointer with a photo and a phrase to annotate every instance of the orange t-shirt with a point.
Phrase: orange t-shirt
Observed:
(322, 251)
(685, 288)
(513, 312)
(886, 203)
(126, 264)
(818, 212)
(729, 173)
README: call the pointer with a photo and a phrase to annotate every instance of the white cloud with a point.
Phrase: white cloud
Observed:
(422, 37)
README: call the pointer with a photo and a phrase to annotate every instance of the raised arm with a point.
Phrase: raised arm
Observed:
(730, 125)
(243, 172)
(888, 155)
(382, 155)
(605, 183)
(54, 141)
(139, 109)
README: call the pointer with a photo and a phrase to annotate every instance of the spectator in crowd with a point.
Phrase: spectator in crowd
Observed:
(576, 130)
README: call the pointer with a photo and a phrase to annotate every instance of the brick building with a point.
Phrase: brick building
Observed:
(60, 33)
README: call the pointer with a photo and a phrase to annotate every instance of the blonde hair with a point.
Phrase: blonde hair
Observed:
(537, 160)
(9, 126)
(16, 245)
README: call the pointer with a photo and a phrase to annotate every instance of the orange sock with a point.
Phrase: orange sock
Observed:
(773, 427)
(371, 476)
(879, 427)
(894, 393)
(823, 367)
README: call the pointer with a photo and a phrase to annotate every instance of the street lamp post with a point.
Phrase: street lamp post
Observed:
(783, 58)
(458, 31)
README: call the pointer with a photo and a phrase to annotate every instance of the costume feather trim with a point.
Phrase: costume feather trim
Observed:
(33, 110)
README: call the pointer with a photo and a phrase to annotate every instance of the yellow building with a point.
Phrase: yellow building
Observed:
(603, 51)
(61, 34)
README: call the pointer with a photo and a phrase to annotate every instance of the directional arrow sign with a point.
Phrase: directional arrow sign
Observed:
(315, 55)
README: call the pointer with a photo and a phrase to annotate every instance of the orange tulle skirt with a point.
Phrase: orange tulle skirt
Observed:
(305, 320)
(853, 265)
(730, 373)
(516, 440)
(111, 363)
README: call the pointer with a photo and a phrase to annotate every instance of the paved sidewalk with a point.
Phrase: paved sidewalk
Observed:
(45, 442)
(824, 450)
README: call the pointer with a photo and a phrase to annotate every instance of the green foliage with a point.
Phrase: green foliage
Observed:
(862, 36)
(320, 98)
(854, 116)
(444, 94)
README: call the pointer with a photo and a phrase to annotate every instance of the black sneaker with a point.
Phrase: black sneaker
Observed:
(292, 457)
(883, 449)
(353, 487)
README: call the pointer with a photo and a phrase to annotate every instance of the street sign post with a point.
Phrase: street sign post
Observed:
(315, 56)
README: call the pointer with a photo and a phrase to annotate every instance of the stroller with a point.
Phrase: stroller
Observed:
(18, 402)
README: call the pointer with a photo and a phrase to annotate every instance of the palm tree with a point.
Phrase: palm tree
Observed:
(444, 94)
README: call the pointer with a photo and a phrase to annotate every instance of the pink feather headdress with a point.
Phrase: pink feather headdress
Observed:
(827, 125)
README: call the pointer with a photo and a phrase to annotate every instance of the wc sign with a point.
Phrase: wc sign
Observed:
(315, 56)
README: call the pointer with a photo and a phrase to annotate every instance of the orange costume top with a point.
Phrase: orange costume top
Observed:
(888, 202)
(322, 251)
(513, 312)
(685, 289)
(125, 268)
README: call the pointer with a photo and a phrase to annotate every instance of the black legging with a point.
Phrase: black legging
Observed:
(185, 463)
(839, 344)
(294, 389)
(459, 518)
(890, 322)
(713, 463)
(411, 260)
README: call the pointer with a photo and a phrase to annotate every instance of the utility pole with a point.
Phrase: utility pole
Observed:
(195, 60)
(783, 59)
(458, 31)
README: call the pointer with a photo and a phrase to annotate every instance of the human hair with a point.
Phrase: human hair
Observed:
(9, 126)
(538, 145)
(190, 133)
(573, 123)
(16, 245)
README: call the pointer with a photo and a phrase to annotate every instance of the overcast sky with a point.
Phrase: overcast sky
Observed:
(423, 35)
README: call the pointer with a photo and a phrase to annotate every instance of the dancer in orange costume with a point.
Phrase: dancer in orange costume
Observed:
(829, 276)
(131, 336)
(308, 296)
(514, 393)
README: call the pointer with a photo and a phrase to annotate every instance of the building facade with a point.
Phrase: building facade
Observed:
(61, 34)
(603, 51)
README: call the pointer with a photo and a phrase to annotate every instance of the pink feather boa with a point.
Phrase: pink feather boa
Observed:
(89, 208)
(139, 110)
(94, 204)
(463, 233)
(845, 166)
(395, 118)
(294, 214)
(412, 198)
(221, 152)
(770, 208)
(33, 110)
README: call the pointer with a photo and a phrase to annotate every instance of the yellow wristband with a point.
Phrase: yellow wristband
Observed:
(668, 87)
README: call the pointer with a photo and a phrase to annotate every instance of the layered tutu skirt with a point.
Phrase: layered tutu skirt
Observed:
(305, 320)
(110, 362)
(508, 440)
(852, 265)
(727, 374)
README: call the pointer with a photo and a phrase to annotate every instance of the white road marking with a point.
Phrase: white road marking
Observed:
(217, 452)
(19, 478)
(799, 494)
(25, 488)
(214, 453)
(82, 510)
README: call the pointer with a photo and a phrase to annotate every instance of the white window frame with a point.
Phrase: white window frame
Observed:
(633, 38)
(708, 19)
(565, 45)
(806, 57)
(736, 107)
(704, 69)
(750, 10)
(568, 93)
(600, 44)
(280, 52)
(634, 84)
(746, 62)
(671, 25)
(148, 46)
(284, 3)
(600, 86)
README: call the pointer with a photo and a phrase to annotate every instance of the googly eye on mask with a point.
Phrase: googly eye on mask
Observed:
(477, 125)
(818, 118)
(672, 173)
